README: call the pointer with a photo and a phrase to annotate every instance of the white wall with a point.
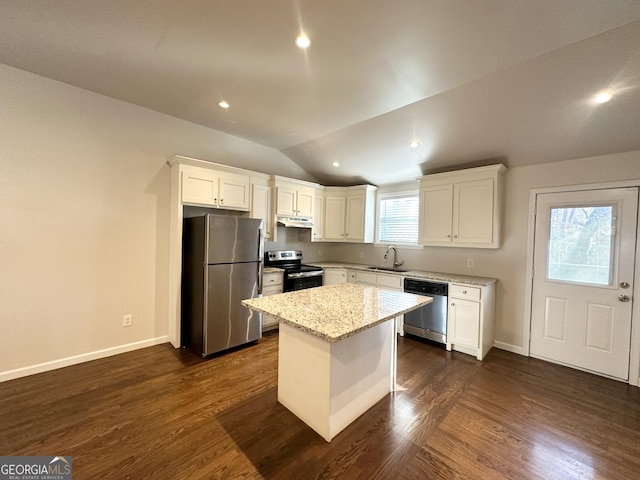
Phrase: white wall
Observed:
(84, 218)
(84, 221)
(508, 263)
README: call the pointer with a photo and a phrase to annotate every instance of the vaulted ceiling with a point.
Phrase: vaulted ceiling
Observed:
(474, 81)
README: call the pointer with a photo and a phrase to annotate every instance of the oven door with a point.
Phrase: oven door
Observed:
(292, 283)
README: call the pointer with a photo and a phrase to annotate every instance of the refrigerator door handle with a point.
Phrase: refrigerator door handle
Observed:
(260, 257)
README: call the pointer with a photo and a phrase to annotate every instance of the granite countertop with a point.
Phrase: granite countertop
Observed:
(423, 275)
(335, 312)
(272, 270)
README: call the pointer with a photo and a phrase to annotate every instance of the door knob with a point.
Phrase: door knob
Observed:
(624, 285)
(623, 298)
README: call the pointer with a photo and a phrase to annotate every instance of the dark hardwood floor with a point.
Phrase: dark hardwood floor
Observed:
(161, 413)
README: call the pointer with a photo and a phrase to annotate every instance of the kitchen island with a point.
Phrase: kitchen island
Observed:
(337, 350)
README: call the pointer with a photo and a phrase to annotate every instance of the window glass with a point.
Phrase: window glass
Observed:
(581, 244)
(398, 218)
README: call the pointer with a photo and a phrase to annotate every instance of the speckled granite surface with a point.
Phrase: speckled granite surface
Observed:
(436, 276)
(335, 312)
(272, 270)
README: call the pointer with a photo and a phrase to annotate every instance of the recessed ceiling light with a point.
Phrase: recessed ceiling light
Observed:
(602, 97)
(335, 164)
(414, 144)
(223, 104)
(303, 40)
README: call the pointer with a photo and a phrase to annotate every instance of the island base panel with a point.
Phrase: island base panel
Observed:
(329, 385)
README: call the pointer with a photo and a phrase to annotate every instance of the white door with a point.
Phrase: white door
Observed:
(584, 257)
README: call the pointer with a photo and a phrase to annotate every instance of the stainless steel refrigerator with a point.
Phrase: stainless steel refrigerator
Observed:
(221, 265)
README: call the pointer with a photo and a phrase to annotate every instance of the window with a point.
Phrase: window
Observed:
(580, 244)
(398, 218)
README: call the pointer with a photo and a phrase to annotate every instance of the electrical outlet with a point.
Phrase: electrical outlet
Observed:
(127, 320)
(361, 254)
(470, 263)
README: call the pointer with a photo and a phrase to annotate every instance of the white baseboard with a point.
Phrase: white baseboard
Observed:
(510, 348)
(76, 359)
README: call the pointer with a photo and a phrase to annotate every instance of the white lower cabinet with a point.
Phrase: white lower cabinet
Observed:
(471, 315)
(381, 280)
(272, 283)
(334, 276)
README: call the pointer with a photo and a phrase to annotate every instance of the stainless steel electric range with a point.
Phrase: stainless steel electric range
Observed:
(297, 275)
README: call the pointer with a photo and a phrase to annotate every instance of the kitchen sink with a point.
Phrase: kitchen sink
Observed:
(387, 269)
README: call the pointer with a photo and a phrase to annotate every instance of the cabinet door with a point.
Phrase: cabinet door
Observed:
(261, 208)
(366, 278)
(200, 187)
(354, 224)
(234, 192)
(392, 282)
(285, 201)
(473, 212)
(304, 201)
(436, 205)
(334, 276)
(464, 318)
(317, 232)
(334, 210)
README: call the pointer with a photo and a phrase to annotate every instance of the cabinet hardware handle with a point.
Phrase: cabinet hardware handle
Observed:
(455, 236)
(215, 200)
(464, 292)
(221, 201)
(453, 304)
(624, 285)
(448, 236)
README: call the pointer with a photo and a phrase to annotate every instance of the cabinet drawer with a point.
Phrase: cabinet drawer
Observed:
(464, 291)
(365, 277)
(390, 281)
(272, 290)
(271, 279)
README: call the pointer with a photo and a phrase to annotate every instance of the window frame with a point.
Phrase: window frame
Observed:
(390, 195)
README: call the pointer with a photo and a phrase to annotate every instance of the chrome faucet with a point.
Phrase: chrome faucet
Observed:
(395, 253)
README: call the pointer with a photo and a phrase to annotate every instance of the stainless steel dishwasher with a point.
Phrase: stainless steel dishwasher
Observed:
(430, 321)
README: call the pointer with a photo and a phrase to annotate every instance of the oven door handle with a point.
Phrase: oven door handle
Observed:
(305, 274)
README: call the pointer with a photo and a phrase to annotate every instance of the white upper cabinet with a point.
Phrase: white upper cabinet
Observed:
(334, 214)
(349, 213)
(317, 232)
(261, 205)
(461, 208)
(201, 186)
(294, 198)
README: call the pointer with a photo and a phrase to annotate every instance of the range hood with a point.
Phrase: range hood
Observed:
(299, 222)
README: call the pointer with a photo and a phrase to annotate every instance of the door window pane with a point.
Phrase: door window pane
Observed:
(581, 244)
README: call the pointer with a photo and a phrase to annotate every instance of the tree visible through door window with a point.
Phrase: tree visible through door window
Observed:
(581, 244)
